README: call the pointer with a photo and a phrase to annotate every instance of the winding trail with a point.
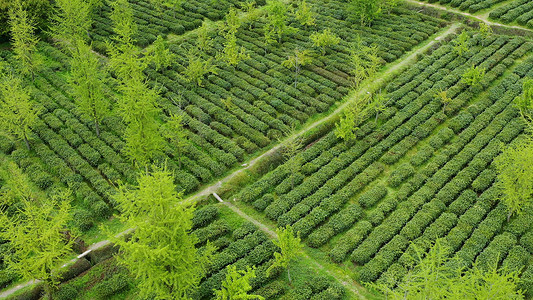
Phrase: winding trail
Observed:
(482, 18)
(369, 87)
(347, 283)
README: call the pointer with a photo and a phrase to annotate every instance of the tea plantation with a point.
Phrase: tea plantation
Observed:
(278, 149)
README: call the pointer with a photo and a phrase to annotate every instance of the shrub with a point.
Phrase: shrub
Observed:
(372, 196)
(400, 175)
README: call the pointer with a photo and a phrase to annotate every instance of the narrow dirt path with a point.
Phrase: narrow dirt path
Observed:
(346, 282)
(369, 87)
(482, 18)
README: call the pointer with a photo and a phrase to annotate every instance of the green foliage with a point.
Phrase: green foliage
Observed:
(434, 277)
(198, 68)
(160, 55)
(277, 15)
(485, 30)
(473, 75)
(442, 96)
(324, 39)
(299, 59)
(352, 118)
(139, 109)
(232, 54)
(71, 22)
(364, 61)
(237, 284)
(160, 253)
(17, 112)
(524, 102)
(123, 23)
(366, 11)
(36, 233)
(174, 131)
(203, 40)
(304, 14)
(23, 39)
(291, 247)
(87, 82)
(461, 43)
(514, 176)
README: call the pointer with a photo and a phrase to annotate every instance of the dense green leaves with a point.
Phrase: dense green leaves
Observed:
(160, 252)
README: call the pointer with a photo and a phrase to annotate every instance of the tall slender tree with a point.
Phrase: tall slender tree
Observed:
(36, 236)
(515, 173)
(237, 285)
(174, 131)
(296, 61)
(71, 22)
(277, 21)
(524, 102)
(87, 81)
(18, 115)
(290, 245)
(24, 41)
(160, 252)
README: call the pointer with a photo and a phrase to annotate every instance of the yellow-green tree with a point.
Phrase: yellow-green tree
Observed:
(35, 233)
(160, 253)
(296, 61)
(71, 22)
(324, 40)
(18, 114)
(237, 285)
(524, 102)
(515, 173)
(87, 80)
(434, 277)
(23, 39)
(291, 247)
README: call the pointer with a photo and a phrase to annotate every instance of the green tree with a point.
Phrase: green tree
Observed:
(237, 285)
(232, 54)
(277, 23)
(71, 22)
(366, 11)
(442, 96)
(460, 44)
(160, 253)
(291, 247)
(123, 23)
(36, 237)
(378, 104)
(434, 277)
(139, 109)
(364, 61)
(485, 31)
(198, 68)
(304, 14)
(18, 115)
(324, 39)
(24, 41)
(291, 148)
(160, 55)
(87, 81)
(473, 76)
(524, 102)
(203, 40)
(174, 131)
(515, 172)
(352, 117)
(296, 61)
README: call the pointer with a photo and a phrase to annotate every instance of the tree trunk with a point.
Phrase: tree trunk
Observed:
(509, 216)
(377, 114)
(146, 168)
(27, 142)
(97, 128)
(289, 274)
